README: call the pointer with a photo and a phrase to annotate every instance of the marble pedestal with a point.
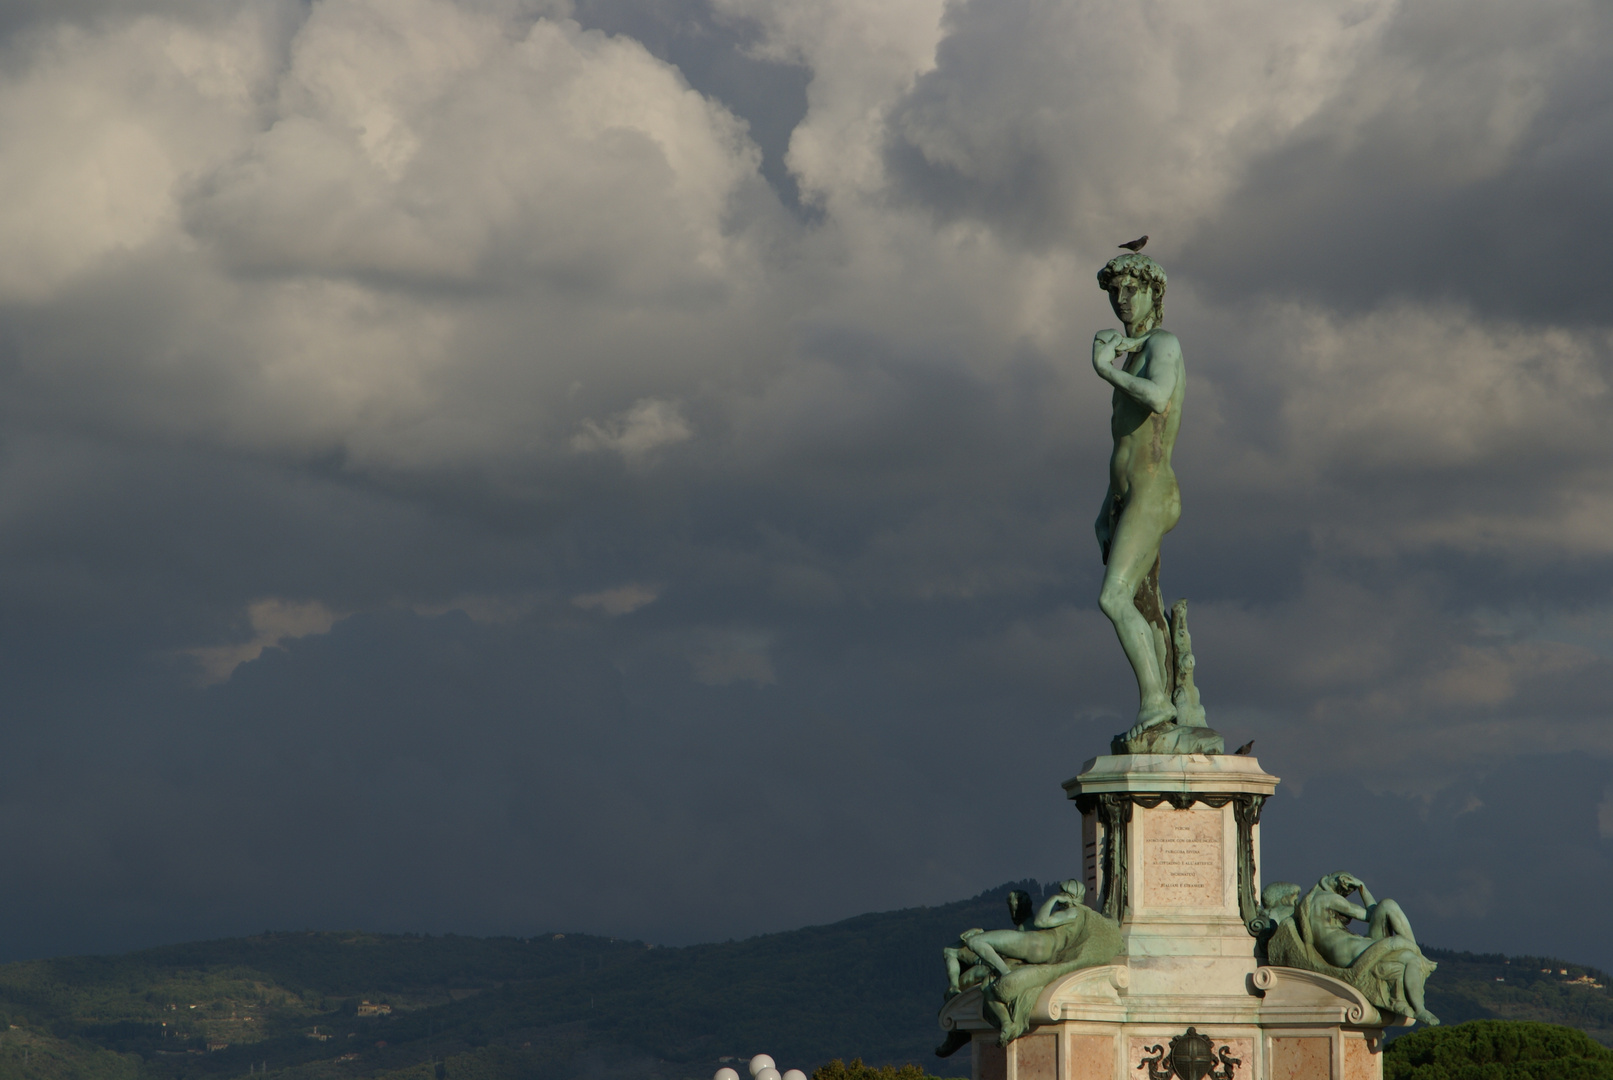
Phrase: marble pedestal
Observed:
(1171, 849)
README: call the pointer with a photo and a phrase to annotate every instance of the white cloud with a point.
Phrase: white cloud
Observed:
(622, 600)
(1048, 116)
(416, 138)
(1437, 387)
(102, 127)
(648, 425)
(1346, 403)
(862, 57)
(273, 621)
(397, 235)
(725, 657)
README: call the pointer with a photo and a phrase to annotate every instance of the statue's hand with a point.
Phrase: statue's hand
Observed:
(1103, 348)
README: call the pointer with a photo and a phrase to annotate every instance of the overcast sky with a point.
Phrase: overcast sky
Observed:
(503, 466)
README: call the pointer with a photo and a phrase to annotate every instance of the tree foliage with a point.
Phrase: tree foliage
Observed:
(1497, 1050)
(839, 1070)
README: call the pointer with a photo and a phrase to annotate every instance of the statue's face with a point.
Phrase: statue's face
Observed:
(1133, 300)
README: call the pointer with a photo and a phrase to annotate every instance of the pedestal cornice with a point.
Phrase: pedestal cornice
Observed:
(1219, 774)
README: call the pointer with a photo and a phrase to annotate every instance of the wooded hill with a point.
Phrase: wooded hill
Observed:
(566, 1006)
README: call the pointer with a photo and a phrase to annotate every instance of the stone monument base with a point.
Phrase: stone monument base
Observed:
(1289, 1025)
(1171, 851)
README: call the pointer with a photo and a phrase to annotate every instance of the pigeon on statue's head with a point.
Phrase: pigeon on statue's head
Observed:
(1135, 245)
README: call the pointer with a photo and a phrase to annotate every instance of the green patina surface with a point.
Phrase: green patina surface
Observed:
(1313, 932)
(1014, 965)
(1143, 503)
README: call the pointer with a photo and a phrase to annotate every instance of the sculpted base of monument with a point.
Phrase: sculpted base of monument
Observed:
(1171, 876)
(1013, 966)
(1385, 963)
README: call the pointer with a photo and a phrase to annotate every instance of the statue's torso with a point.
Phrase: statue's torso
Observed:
(1141, 465)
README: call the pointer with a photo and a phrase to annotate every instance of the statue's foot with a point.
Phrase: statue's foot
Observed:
(955, 1041)
(1150, 718)
(1427, 1017)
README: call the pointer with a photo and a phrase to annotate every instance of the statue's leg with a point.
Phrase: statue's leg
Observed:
(1131, 556)
(1387, 920)
(1032, 947)
(1414, 993)
(953, 971)
(988, 954)
(997, 1015)
(976, 975)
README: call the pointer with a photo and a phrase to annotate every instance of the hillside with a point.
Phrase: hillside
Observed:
(567, 1005)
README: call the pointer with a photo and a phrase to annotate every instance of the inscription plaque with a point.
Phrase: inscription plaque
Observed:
(1182, 852)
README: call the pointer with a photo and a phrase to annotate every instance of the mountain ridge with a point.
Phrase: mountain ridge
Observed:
(319, 1005)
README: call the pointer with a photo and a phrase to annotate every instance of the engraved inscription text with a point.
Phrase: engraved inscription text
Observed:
(1182, 853)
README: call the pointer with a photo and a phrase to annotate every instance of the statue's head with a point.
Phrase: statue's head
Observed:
(1341, 883)
(1279, 894)
(1019, 906)
(1075, 888)
(1136, 287)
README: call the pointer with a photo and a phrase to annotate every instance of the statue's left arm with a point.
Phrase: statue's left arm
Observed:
(1162, 361)
(1353, 882)
(1050, 916)
(1335, 902)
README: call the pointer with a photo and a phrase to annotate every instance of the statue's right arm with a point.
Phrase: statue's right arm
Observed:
(1163, 363)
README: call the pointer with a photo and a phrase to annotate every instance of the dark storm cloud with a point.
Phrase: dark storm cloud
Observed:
(1534, 832)
(448, 484)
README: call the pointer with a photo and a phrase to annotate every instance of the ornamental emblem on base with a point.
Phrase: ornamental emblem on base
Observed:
(1191, 1057)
